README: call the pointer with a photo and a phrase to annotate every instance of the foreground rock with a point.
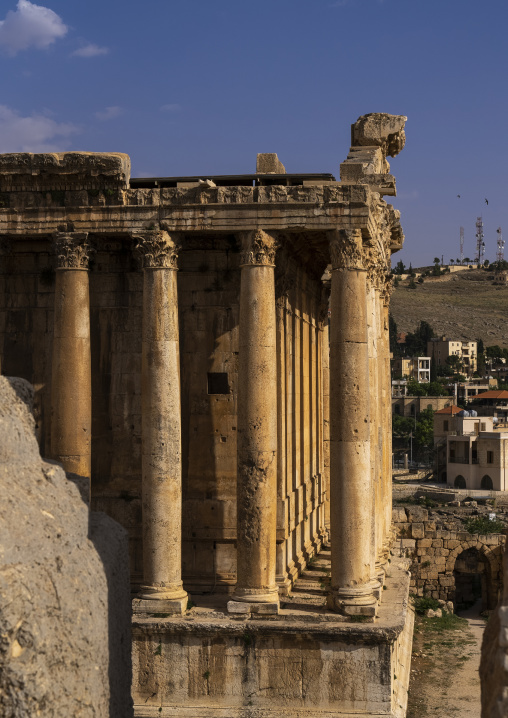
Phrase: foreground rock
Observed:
(64, 591)
(494, 662)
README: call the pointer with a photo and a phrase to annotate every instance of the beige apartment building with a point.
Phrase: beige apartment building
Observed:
(476, 450)
(417, 368)
(440, 348)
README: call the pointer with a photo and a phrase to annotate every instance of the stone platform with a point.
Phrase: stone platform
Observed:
(306, 662)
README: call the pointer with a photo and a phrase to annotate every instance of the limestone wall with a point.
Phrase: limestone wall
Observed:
(64, 585)
(437, 544)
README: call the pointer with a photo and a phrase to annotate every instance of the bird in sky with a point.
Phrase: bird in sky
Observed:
(458, 196)
(486, 201)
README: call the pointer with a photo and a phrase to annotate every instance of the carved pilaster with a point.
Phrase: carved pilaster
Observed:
(73, 250)
(346, 249)
(258, 248)
(157, 249)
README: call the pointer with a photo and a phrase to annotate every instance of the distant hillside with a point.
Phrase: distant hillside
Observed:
(462, 306)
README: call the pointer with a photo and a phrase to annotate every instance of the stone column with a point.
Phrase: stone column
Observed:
(256, 589)
(387, 408)
(325, 368)
(351, 485)
(161, 428)
(71, 377)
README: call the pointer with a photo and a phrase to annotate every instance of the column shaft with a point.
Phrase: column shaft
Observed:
(161, 425)
(257, 424)
(351, 486)
(71, 381)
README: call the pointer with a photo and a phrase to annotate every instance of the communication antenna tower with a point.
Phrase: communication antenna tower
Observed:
(480, 243)
(462, 245)
(500, 246)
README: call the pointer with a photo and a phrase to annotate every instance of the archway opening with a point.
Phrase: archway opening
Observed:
(486, 482)
(460, 482)
(471, 580)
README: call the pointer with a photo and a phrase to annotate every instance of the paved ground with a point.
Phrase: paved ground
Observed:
(444, 675)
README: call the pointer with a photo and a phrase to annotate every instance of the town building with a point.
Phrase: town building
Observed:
(414, 405)
(417, 368)
(176, 332)
(440, 349)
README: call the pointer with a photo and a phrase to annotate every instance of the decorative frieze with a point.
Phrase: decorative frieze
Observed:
(258, 248)
(73, 250)
(157, 249)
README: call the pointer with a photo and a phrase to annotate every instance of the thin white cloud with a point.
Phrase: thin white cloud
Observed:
(175, 107)
(90, 50)
(29, 26)
(34, 133)
(109, 113)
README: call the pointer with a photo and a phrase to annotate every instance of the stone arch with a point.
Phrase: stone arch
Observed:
(487, 564)
(486, 482)
(460, 482)
(396, 408)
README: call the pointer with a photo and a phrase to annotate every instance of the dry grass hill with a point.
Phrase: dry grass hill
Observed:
(463, 305)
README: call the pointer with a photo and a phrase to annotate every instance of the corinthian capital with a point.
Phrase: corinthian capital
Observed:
(346, 249)
(258, 248)
(72, 249)
(157, 249)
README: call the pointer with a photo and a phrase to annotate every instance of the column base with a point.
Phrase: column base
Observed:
(242, 608)
(172, 606)
(250, 600)
(157, 599)
(357, 601)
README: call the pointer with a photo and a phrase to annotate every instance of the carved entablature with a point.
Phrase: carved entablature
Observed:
(258, 248)
(73, 250)
(346, 249)
(157, 249)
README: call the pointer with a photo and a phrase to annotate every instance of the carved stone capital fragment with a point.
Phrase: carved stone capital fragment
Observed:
(387, 289)
(258, 248)
(346, 249)
(73, 250)
(157, 249)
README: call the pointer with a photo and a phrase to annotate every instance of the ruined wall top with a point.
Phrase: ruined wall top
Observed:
(268, 163)
(373, 138)
(24, 171)
(380, 130)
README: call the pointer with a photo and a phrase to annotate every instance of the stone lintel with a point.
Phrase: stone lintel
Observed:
(173, 606)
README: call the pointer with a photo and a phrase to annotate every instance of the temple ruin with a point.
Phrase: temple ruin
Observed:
(177, 333)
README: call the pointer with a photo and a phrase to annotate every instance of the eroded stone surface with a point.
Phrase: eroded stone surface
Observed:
(64, 602)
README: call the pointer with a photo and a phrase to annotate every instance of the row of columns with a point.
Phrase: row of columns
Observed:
(352, 495)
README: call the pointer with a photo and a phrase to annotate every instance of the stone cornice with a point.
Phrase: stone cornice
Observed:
(258, 248)
(157, 249)
(72, 249)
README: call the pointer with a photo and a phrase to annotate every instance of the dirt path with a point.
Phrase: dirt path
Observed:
(444, 674)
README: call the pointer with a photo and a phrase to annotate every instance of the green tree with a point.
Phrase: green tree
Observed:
(424, 433)
(436, 271)
(416, 342)
(412, 284)
(400, 267)
(454, 362)
(416, 389)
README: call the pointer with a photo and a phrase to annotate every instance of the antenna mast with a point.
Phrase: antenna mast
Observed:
(480, 243)
(462, 245)
(500, 246)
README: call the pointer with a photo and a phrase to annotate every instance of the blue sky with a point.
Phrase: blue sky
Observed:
(199, 87)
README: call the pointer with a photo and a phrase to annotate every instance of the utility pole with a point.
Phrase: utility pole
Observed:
(500, 246)
(462, 245)
(480, 243)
